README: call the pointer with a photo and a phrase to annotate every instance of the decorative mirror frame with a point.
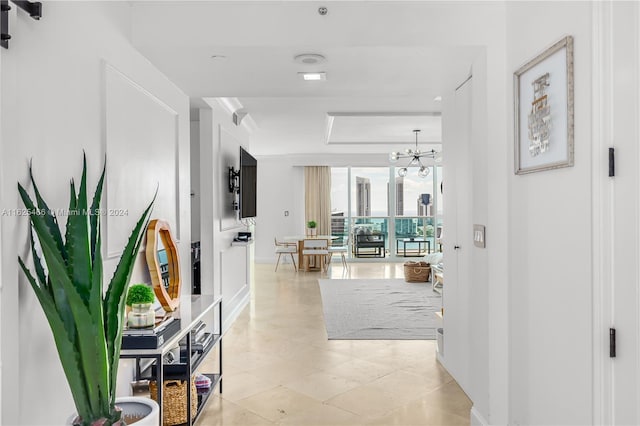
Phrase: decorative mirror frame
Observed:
(158, 230)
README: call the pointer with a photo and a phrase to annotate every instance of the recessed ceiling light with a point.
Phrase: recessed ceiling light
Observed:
(309, 59)
(438, 98)
(313, 76)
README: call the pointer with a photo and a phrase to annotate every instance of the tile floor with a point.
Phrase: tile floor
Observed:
(280, 369)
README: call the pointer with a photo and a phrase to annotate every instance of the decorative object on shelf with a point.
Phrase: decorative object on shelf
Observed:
(312, 230)
(174, 400)
(544, 135)
(415, 155)
(140, 298)
(86, 323)
(164, 264)
(203, 383)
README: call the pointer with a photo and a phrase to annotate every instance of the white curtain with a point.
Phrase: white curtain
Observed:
(317, 197)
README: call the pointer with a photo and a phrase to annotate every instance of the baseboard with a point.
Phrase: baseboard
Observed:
(240, 300)
(477, 419)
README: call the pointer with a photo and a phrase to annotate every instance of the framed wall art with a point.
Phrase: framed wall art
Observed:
(543, 104)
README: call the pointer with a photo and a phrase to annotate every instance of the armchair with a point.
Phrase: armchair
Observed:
(368, 244)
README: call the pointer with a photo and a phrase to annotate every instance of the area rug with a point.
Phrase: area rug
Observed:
(389, 309)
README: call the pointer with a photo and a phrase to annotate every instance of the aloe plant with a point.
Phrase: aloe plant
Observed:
(86, 322)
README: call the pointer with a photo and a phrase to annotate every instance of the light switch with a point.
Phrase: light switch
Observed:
(478, 236)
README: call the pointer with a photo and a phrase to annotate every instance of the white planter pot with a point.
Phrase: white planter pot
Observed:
(135, 406)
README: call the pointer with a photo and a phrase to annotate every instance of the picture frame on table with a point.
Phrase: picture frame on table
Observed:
(543, 110)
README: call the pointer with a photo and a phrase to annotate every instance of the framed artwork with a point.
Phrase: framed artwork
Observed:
(543, 104)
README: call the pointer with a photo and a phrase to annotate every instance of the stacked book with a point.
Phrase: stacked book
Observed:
(150, 337)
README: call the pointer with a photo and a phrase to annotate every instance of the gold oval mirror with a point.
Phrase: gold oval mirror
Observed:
(164, 264)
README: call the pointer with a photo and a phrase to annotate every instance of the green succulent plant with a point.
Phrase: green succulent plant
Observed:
(139, 293)
(311, 224)
(86, 323)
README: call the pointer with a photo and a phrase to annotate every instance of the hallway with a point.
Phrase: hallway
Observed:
(280, 369)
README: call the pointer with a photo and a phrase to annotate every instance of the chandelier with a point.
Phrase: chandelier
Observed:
(415, 155)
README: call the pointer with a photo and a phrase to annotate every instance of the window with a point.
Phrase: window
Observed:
(377, 200)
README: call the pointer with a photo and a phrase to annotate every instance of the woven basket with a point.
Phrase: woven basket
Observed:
(174, 396)
(417, 272)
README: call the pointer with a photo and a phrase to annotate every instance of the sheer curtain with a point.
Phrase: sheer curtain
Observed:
(317, 197)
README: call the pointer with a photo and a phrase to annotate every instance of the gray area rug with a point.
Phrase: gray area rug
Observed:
(389, 309)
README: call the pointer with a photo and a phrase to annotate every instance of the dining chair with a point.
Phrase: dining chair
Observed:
(342, 250)
(285, 248)
(315, 251)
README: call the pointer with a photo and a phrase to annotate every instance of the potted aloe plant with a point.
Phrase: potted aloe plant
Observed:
(68, 281)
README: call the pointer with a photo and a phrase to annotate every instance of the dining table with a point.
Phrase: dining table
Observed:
(299, 239)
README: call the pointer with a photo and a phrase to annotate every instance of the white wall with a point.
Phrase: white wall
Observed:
(224, 268)
(550, 277)
(69, 83)
(195, 180)
(280, 189)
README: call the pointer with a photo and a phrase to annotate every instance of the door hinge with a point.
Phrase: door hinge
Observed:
(612, 162)
(612, 343)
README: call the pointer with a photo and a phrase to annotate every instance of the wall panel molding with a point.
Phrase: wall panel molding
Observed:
(150, 137)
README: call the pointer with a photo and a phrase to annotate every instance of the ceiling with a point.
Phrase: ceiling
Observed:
(382, 59)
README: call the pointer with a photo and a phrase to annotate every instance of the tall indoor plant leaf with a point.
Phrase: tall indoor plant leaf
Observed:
(86, 323)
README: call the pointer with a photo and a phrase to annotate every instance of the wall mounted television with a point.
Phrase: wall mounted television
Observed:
(248, 184)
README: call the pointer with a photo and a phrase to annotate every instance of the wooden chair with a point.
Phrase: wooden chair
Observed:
(315, 251)
(286, 248)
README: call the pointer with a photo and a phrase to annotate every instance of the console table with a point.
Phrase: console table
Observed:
(419, 241)
(192, 309)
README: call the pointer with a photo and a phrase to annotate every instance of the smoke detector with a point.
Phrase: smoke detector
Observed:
(309, 59)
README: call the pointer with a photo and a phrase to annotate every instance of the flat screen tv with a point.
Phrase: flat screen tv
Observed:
(248, 184)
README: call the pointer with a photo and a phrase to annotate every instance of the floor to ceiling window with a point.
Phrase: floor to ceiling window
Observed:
(382, 214)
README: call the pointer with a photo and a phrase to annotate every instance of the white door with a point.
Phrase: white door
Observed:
(617, 258)
(457, 190)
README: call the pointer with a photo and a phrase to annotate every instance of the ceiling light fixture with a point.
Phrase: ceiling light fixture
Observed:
(313, 76)
(415, 155)
(438, 98)
(309, 59)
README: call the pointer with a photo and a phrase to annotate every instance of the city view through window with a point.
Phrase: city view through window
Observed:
(373, 207)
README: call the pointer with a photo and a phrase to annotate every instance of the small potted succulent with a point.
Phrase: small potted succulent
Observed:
(311, 228)
(140, 299)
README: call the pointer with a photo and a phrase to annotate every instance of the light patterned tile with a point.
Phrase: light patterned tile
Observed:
(279, 367)
(279, 403)
(220, 412)
(366, 401)
(321, 386)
